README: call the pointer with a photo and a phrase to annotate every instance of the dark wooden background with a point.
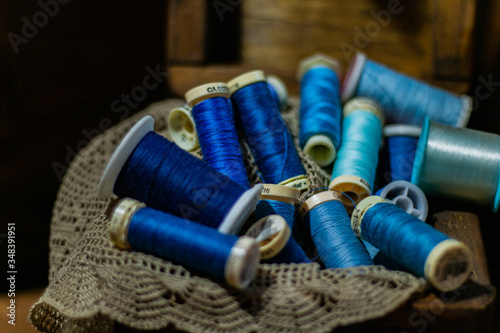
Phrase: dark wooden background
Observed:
(64, 80)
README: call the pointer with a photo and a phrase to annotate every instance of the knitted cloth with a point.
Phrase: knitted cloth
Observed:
(93, 285)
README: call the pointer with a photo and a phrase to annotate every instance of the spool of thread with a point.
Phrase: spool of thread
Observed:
(444, 262)
(278, 200)
(406, 196)
(276, 242)
(356, 164)
(154, 170)
(320, 109)
(402, 144)
(182, 128)
(458, 163)
(278, 91)
(266, 133)
(331, 231)
(404, 99)
(214, 118)
(228, 257)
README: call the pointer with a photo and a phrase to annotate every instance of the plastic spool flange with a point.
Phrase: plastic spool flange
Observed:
(182, 128)
(408, 197)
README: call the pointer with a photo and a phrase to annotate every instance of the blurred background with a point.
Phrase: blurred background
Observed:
(67, 67)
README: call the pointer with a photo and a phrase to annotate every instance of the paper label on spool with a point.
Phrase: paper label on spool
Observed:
(272, 232)
(206, 91)
(360, 211)
(299, 182)
(280, 193)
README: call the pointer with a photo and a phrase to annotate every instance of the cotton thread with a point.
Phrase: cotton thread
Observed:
(458, 163)
(320, 113)
(267, 135)
(405, 99)
(191, 244)
(218, 138)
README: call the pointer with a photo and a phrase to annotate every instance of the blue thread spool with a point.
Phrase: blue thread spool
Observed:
(458, 163)
(267, 135)
(278, 200)
(404, 99)
(444, 262)
(406, 196)
(169, 237)
(331, 231)
(278, 91)
(214, 118)
(154, 170)
(276, 242)
(356, 164)
(182, 128)
(402, 144)
(320, 109)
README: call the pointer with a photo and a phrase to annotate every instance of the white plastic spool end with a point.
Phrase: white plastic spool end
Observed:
(408, 197)
(241, 266)
(241, 210)
(280, 88)
(182, 128)
(318, 60)
(448, 265)
(352, 77)
(121, 154)
(321, 149)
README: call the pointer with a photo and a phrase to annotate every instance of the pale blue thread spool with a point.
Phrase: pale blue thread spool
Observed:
(320, 109)
(404, 99)
(266, 133)
(214, 118)
(458, 163)
(154, 170)
(331, 231)
(276, 242)
(402, 145)
(227, 257)
(356, 163)
(444, 262)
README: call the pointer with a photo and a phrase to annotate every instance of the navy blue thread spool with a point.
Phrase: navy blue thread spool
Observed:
(444, 262)
(354, 170)
(278, 200)
(320, 108)
(266, 133)
(459, 163)
(208, 196)
(214, 118)
(276, 242)
(402, 144)
(331, 231)
(228, 257)
(182, 128)
(404, 99)
(278, 91)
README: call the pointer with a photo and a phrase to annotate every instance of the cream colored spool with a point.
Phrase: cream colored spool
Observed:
(282, 193)
(300, 182)
(245, 79)
(206, 91)
(182, 128)
(317, 200)
(272, 232)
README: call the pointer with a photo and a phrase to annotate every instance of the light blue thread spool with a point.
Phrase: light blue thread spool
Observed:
(228, 257)
(266, 133)
(188, 187)
(402, 145)
(320, 109)
(276, 242)
(331, 231)
(356, 163)
(458, 163)
(214, 118)
(278, 200)
(444, 262)
(404, 99)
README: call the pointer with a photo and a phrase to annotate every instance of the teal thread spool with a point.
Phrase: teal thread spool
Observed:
(458, 163)
(444, 262)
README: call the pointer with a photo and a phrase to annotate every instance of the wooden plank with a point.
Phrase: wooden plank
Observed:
(186, 26)
(454, 23)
